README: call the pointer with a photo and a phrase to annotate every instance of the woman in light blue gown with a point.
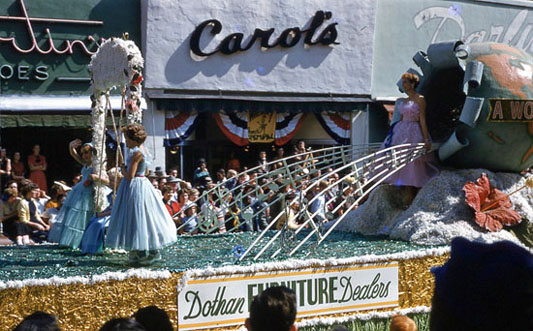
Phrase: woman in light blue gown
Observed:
(93, 237)
(139, 223)
(78, 207)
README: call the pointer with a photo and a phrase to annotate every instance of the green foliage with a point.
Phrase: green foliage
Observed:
(421, 320)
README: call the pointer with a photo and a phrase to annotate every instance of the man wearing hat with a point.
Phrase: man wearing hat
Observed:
(160, 173)
(174, 183)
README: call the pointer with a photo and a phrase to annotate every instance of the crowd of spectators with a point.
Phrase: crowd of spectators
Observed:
(251, 200)
(248, 201)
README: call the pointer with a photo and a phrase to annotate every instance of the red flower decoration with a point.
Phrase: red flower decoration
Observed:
(492, 207)
(137, 79)
(130, 104)
(87, 182)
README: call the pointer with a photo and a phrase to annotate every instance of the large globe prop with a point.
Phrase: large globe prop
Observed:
(479, 104)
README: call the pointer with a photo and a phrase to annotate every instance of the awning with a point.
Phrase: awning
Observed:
(50, 104)
(50, 110)
(216, 105)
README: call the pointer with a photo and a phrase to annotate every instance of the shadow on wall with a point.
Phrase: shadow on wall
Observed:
(257, 60)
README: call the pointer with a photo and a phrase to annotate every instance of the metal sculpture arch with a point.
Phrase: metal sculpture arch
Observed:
(365, 165)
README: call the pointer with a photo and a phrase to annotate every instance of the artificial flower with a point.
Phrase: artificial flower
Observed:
(492, 207)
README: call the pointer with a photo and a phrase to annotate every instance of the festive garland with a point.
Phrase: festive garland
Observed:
(107, 276)
(302, 264)
(117, 62)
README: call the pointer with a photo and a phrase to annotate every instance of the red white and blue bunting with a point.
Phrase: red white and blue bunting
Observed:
(235, 126)
(179, 126)
(337, 125)
(287, 124)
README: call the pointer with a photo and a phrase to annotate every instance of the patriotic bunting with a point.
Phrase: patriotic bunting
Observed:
(337, 125)
(179, 126)
(287, 124)
(235, 126)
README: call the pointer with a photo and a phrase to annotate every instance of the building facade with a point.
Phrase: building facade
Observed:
(226, 79)
(45, 48)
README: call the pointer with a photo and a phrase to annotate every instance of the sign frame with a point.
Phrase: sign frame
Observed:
(203, 299)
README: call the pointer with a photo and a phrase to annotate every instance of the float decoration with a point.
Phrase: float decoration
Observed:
(492, 207)
(117, 62)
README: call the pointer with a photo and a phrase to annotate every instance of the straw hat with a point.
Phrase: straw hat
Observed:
(63, 186)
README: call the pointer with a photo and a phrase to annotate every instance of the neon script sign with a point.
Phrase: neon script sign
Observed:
(69, 44)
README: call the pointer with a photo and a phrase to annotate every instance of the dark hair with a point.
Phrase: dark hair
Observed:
(11, 182)
(122, 324)
(165, 189)
(88, 148)
(153, 319)
(273, 310)
(54, 190)
(27, 188)
(135, 132)
(221, 171)
(38, 321)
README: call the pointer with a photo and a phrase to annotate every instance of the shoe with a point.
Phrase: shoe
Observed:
(149, 258)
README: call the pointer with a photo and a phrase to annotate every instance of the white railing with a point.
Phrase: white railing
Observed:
(289, 172)
(366, 165)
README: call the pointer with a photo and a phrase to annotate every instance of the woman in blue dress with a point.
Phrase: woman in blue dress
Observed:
(140, 223)
(78, 207)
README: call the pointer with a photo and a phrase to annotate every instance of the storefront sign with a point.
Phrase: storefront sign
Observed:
(261, 127)
(508, 110)
(22, 72)
(52, 48)
(214, 301)
(407, 27)
(45, 47)
(260, 46)
(288, 38)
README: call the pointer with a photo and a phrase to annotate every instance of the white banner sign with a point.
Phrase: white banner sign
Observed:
(214, 301)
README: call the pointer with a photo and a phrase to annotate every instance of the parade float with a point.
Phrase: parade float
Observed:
(377, 266)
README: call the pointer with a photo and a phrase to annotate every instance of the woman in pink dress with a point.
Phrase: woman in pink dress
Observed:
(412, 128)
(37, 165)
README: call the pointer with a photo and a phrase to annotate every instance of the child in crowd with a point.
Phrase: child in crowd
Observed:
(190, 221)
(50, 214)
